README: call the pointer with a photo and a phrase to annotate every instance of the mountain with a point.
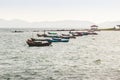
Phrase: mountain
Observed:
(55, 24)
(13, 23)
(46, 24)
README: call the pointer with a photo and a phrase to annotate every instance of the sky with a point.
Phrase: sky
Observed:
(56, 10)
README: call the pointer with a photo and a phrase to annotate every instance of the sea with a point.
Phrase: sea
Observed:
(91, 57)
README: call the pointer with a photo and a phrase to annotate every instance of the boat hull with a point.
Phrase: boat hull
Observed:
(35, 43)
(58, 40)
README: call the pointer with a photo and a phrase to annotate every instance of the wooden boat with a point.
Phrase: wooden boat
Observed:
(46, 35)
(57, 36)
(76, 33)
(58, 40)
(63, 37)
(52, 33)
(16, 31)
(68, 35)
(41, 35)
(84, 33)
(65, 34)
(31, 42)
(35, 39)
(93, 33)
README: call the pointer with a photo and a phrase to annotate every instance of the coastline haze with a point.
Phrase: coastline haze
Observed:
(70, 24)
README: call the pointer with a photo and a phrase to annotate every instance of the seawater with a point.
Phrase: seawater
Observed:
(84, 58)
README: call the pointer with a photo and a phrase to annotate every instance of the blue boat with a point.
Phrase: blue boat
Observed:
(58, 40)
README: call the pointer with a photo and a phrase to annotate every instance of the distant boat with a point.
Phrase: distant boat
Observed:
(41, 35)
(36, 39)
(17, 31)
(76, 33)
(58, 40)
(47, 35)
(38, 43)
(67, 35)
(52, 33)
(92, 32)
(54, 39)
(83, 33)
(57, 36)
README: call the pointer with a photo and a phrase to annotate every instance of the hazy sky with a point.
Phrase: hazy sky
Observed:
(52, 10)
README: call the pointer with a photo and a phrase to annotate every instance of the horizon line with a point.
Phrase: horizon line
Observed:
(58, 20)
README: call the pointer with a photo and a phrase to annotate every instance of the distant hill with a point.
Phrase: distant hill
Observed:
(45, 24)
(68, 24)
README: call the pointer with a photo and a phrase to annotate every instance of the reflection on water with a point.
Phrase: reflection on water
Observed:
(84, 58)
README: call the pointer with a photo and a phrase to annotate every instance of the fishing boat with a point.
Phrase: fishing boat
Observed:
(93, 33)
(32, 42)
(57, 36)
(85, 33)
(67, 35)
(36, 39)
(58, 40)
(52, 33)
(76, 33)
(47, 35)
(16, 31)
(42, 35)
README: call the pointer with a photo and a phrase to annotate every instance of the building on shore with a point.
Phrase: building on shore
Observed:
(94, 27)
(118, 26)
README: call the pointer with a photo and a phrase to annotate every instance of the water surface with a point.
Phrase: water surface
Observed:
(85, 58)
